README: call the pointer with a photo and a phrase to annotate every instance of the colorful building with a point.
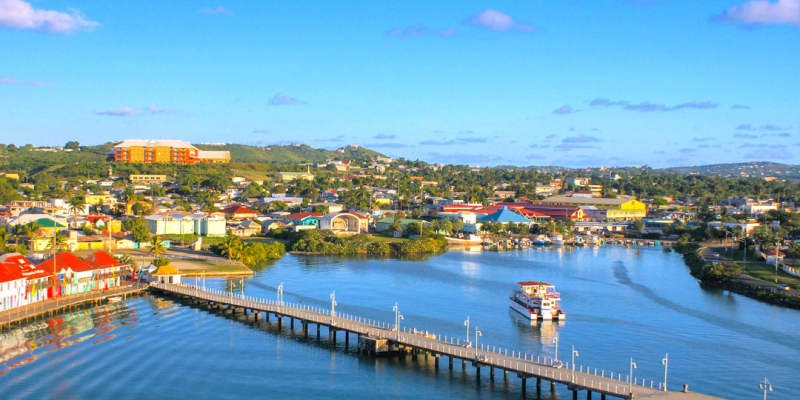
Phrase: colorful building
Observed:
(166, 151)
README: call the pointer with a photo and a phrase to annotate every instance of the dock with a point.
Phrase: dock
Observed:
(22, 314)
(375, 338)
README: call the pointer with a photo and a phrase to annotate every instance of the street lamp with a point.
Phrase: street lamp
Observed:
(466, 323)
(765, 386)
(280, 294)
(477, 333)
(555, 340)
(333, 305)
(574, 354)
(630, 377)
(665, 362)
(397, 318)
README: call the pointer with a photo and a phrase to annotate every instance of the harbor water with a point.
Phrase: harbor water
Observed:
(621, 303)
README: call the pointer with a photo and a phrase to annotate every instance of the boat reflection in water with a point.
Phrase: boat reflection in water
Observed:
(543, 330)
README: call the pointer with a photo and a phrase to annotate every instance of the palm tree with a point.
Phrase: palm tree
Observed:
(232, 247)
(157, 248)
(76, 204)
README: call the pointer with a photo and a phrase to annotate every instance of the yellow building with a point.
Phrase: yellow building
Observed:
(618, 208)
(9, 176)
(147, 179)
(290, 176)
(100, 199)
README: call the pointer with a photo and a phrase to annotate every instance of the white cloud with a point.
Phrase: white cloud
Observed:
(219, 10)
(18, 14)
(494, 20)
(765, 12)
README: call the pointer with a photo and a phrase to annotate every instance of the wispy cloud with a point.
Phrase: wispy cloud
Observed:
(339, 138)
(420, 30)
(647, 106)
(740, 107)
(132, 112)
(702, 139)
(384, 136)
(283, 100)
(450, 142)
(219, 10)
(565, 109)
(261, 131)
(390, 145)
(581, 139)
(763, 12)
(118, 112)
(19, 14)
(744, 136)
(763, 128)
(493, 20)
(6, 80)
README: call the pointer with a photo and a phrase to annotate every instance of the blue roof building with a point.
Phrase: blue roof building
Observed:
(504, 216)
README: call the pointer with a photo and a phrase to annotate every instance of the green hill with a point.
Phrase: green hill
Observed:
(291, 153)
(758, 169)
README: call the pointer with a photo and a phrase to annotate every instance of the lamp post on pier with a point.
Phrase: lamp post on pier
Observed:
(765, 386)
(466, 323)
(397, 318)
(574, 354)
(630, 377)
(477, 333)
(555, 360)
(280, 294)
(665, 362)
(333, 306)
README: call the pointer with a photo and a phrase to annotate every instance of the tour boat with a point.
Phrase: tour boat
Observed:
(537, 300)
(557, 239)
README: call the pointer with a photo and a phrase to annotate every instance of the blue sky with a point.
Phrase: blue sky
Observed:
(558, 82)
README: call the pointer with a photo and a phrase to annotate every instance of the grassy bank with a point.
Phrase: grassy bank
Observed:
(738, 278)
(327, 243)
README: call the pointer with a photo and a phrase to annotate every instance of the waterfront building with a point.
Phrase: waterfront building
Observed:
(12, 287)
(624, 208)
(166, 151)
(504, 216)
(167, 274)
(185, 224)
(304, 218)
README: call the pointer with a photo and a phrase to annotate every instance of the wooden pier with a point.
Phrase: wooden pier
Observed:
(19, 315)
(374, 338)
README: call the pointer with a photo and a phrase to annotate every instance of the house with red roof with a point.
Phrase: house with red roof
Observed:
(238, 211)
(303, 218)
(12, 286)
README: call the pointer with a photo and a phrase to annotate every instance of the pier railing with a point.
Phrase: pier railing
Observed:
(524, 364)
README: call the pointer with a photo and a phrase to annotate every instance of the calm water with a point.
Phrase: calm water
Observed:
(620, 303)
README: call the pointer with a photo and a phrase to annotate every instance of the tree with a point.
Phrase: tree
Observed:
(157, 247)
(231, 246)
(72, 145)
(76, 204)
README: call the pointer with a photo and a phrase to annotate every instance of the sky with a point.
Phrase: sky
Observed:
(573, 83)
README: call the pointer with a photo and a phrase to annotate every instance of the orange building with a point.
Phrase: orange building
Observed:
(166, 151)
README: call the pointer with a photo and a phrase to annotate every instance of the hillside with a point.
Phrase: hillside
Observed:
(291, 153)
(748, 169)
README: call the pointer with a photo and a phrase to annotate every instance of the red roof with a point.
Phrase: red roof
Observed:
(95, 217)
(533, 283)
(103, 260)
(26, 268)
(302, 215)
(9, 272)
(238, 209)
(65, 260)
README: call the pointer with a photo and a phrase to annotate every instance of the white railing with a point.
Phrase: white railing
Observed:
(497, 357)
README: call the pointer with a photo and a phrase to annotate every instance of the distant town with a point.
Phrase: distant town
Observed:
(88, 217)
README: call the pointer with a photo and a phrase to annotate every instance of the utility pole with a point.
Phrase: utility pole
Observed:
(466, 323)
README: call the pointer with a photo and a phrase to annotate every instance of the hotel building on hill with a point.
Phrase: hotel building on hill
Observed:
(166, 151)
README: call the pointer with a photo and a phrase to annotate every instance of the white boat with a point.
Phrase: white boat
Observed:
(115, 299)
(541, 240)
(557, 239)
(537, 300)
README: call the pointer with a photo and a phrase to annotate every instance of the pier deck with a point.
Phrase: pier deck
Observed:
(524, 367)
(54, 305)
